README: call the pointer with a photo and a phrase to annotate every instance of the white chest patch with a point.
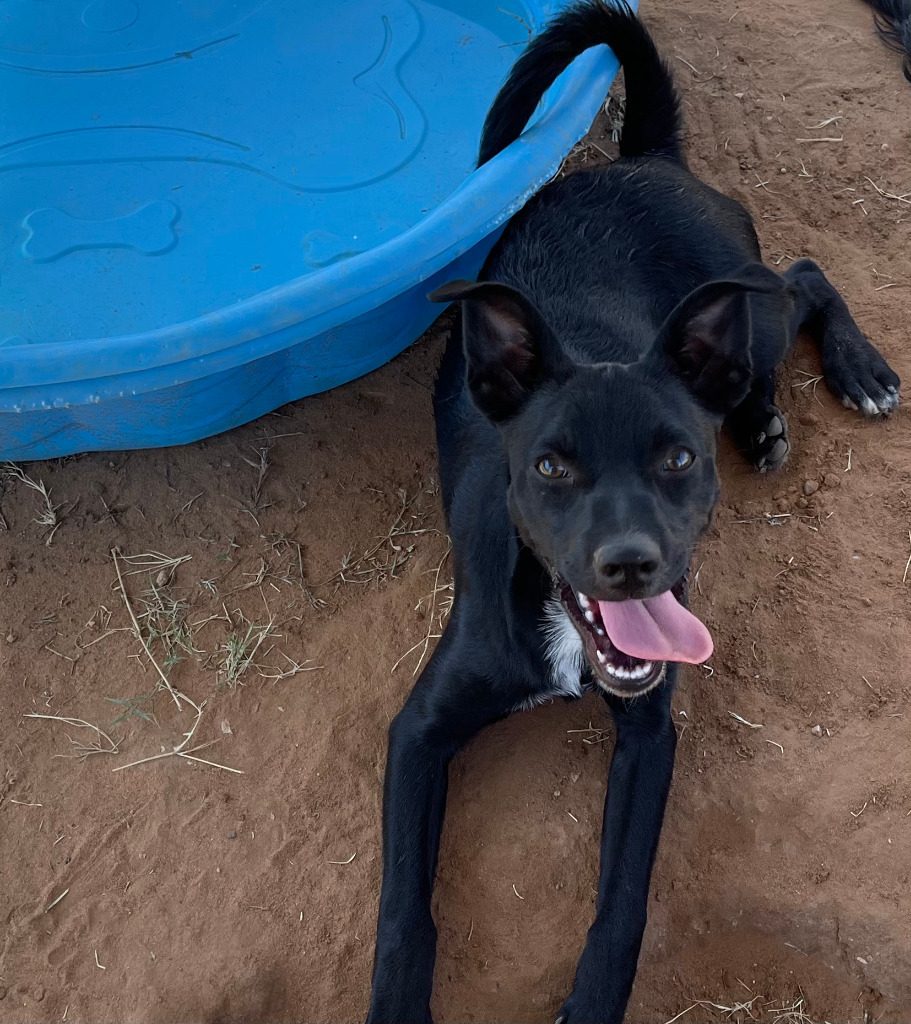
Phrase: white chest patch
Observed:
(564, 652)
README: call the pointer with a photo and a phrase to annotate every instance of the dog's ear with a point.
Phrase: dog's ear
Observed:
(708, 337)
(509, 350)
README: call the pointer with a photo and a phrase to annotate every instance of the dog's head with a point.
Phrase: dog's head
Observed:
(612, 476)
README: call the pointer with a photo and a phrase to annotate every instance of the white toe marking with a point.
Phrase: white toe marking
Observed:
(848, 403)
(869, 407)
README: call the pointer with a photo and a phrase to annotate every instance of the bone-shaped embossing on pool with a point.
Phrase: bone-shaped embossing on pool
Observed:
(52, 233)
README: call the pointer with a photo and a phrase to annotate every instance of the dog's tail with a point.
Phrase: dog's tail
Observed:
(893, 22)
(652, 122)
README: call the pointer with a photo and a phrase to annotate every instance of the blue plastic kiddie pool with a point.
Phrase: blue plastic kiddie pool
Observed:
(209, 208)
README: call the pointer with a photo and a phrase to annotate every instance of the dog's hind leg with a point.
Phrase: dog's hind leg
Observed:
(449, 704)
(638, 786)
(854, 371)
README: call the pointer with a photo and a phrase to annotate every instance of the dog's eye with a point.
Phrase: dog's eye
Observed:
(679, 460)
(552, 469)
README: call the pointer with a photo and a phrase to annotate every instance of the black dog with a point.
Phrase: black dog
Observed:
(622, 317)
(893, 22)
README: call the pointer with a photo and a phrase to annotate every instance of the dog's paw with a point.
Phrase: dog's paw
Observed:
(859, 376)
(770, 446)
(581, 1010)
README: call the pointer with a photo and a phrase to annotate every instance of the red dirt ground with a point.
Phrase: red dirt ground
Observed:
(197, 894)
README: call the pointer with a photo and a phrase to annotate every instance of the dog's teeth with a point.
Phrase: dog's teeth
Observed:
(603, 659)
(590, 617)
(599, 631)
(583, 600)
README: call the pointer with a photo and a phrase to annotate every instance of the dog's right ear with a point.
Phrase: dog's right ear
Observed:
(509, 350)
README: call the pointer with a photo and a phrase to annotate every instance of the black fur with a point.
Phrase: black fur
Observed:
(622, 317)
(893, 22)
(652, 125)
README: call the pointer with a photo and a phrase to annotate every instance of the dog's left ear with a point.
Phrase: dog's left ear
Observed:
(509, 350)
(708, 337)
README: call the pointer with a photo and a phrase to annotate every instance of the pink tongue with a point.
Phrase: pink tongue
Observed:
(656, 629)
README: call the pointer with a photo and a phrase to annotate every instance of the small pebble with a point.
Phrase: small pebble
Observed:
(809, 419)
(816, 730)
(39, 993)
(556, 792)
(867, 602)
(232, 834)
(801, 503)
(810, 486)
(832, 480)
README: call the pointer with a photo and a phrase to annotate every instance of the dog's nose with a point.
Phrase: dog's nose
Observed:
(631, 562)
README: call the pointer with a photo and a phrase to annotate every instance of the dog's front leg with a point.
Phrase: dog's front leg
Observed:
(638, 786)
(449, 704)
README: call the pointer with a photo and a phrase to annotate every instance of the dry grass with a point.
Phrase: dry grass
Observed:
(49, 515)
(164, 620)
(101, 744)
(438, 612)
(176, 634)
(385, 560)
(761, 1011)
(254, 503)
(615, 112)
(294, 668)
(592, 735)
(811, 380)
(152, 561)
(137, 629)
(238, 651)
(904, 198)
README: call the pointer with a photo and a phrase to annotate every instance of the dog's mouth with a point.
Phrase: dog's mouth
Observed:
(629, 643)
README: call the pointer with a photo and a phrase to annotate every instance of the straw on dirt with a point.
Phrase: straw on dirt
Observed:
(82, 750)
(49, 515)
